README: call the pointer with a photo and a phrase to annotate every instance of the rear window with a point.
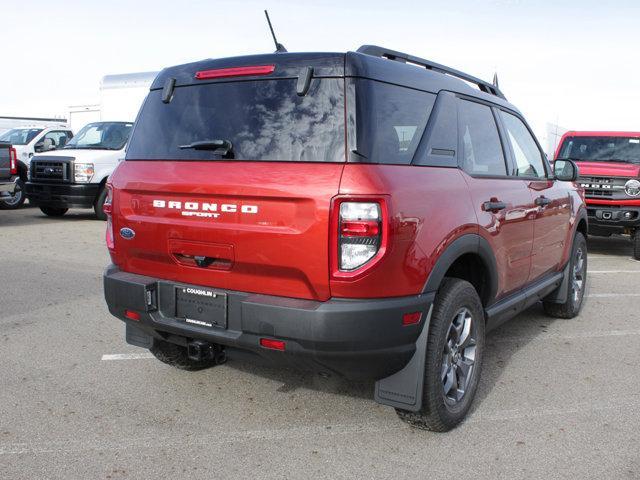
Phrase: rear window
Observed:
(390, 121)
(262, 120)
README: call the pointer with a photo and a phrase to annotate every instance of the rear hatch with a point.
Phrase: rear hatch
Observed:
(249, 208)
(5, 161)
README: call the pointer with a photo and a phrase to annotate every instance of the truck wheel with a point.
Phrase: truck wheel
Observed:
(16, 200)
(577, 282)
(636, 244)
(176, 356)
(99, 203)
(455, 347)
(54, 211)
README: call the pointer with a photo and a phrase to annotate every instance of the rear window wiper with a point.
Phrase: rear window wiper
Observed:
(219, 147)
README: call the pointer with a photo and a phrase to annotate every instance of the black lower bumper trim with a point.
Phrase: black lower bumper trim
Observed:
(62, 195)
(362, 338)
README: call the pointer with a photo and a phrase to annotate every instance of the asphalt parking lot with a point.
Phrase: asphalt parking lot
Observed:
(558, 398)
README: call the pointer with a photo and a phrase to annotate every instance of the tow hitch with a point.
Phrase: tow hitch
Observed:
(198, 350)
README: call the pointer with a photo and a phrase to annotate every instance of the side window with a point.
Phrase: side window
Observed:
(527, 155)
(59, 138)
(481, 148)
(390, 121)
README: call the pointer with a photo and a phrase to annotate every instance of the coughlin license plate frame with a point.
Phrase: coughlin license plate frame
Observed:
(201, 306)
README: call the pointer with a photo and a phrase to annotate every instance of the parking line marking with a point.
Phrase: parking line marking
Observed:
(127, 356)
(611, 295)
(208, 440)
(613, 271)
(563, 336)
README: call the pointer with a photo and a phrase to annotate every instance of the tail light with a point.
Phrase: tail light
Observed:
(107, 208)
(360, 235)
(13, 160)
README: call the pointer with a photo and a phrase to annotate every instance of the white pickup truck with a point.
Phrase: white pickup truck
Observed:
(27, 141)
(75, 176)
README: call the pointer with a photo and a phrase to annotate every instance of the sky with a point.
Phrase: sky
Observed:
(572, 63)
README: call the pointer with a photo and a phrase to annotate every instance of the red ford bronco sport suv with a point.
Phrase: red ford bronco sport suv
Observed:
(368, 214)
(610, 174)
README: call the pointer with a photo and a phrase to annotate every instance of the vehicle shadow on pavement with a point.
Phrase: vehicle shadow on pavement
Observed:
(502, 344)
(615, 245)
(11, 218)
(293, 379)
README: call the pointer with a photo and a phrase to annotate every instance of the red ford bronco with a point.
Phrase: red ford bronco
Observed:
(610, 174)
(369, 214)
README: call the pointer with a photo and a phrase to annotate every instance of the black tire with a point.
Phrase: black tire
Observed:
(17, 198)
(54, 211)
(577, 282)
(99, 203)
(636, 244)
(176, 356)
(441, 413)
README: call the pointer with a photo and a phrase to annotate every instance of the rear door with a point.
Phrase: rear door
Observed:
(251, 215)
(503, 203)
(551, 199)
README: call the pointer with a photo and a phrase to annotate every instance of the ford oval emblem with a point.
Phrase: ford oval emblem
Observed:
(127, 233)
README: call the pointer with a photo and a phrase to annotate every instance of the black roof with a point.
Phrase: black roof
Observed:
(371, 62)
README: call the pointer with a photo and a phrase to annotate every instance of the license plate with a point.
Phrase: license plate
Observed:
(201, 306)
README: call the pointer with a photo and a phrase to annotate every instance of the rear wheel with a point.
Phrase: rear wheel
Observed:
(99, 204)
(17, 198)
(577, 282)
(176, 356)
(54, 211)
(636, 244)
(455, 348)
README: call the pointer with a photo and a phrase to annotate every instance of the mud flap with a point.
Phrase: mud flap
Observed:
(561, 294)
(404, 389)
(138, 337)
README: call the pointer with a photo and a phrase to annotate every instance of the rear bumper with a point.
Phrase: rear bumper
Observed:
(352, 338)
(603, 218)
(62, 195)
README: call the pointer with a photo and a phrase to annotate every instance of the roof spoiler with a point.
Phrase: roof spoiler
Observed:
(429, 65)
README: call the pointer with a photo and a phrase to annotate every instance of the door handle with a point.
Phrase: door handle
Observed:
(542, 201)
(493, 206)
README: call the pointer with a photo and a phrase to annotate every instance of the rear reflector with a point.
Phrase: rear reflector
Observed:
(271, 343)
(130, 314)
(411, 318)
(235, 72)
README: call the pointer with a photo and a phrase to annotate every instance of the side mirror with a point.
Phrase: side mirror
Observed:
(39, 147)
(565, 170)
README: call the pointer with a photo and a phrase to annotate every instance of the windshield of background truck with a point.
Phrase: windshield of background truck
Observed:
(102, 136)
(20, 136)
(601, 149)
(261, 120)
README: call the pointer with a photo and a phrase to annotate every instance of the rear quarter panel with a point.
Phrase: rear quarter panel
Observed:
(429, 208)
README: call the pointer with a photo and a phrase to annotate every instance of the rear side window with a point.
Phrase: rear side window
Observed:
(390, 121)
(482, 152)
(527, 155)
(263, 120)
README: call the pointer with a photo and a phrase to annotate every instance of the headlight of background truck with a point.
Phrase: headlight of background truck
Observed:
(632, 188)
(82, 172)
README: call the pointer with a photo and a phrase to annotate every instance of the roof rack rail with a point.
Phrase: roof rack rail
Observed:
(429, 65)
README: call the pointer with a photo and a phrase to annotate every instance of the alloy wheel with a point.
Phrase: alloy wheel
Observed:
(578, 276)
(459, 356)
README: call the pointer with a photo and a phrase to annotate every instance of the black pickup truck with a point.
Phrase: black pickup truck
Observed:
(8, 169)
